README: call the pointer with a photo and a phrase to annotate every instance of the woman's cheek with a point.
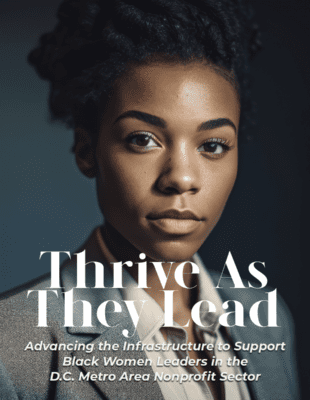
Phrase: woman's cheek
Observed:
(217, 188)
(126, 179)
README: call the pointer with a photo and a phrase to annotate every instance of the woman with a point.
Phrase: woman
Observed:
(157, 95)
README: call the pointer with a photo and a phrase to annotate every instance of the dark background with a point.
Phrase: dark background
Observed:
(47, 205)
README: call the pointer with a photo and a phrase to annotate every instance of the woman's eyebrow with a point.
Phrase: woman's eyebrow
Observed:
(145, 117)
(217, 123)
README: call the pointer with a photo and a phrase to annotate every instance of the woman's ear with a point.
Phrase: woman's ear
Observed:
(85, 153)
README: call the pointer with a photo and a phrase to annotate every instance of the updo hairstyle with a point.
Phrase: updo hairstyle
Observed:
(96, 40)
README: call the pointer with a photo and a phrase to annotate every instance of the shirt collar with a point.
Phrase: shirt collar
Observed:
(207, 291)
(151, 316)
(150, 321)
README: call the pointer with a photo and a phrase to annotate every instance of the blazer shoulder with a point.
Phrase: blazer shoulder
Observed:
(42, 280)
(250, 295)
(20, 299)
(25, 372)
(19, 308)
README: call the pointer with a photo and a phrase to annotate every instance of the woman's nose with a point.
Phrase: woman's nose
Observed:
(180, 173)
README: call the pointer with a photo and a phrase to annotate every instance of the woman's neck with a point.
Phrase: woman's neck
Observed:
(123, 251)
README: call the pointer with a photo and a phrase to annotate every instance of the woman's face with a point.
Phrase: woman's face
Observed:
(167, 156)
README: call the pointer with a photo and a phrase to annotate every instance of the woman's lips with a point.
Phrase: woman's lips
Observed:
(174, 222)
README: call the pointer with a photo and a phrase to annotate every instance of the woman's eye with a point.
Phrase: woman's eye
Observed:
(213, 147)
(142, 140)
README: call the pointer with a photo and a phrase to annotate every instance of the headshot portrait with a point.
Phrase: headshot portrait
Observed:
(155, 200)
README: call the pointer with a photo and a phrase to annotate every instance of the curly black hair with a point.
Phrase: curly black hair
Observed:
(96, 40)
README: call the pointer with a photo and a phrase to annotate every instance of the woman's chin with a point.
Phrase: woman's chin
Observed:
(172, 251)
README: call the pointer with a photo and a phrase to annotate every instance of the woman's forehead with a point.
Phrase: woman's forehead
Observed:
(164, 89)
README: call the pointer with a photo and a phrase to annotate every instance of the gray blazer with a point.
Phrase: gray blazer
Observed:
(25, 374)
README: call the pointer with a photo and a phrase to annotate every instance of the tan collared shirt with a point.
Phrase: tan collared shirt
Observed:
(151, 326)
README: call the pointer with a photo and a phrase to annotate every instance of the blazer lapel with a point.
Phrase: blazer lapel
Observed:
(270, 364)
(138, 380)
(259, 390)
